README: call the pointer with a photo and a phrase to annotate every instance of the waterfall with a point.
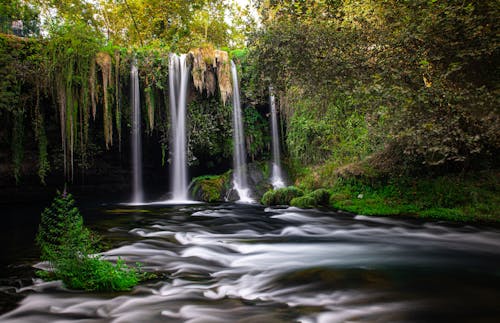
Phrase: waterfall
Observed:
(137, 194)
(239, 165)
(276, 177)
(178, 83)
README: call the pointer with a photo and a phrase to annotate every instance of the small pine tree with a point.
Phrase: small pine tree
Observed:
(61, 233)
(68, 247)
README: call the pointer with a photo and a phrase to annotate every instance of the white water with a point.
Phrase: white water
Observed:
(244, 263)
(137, 192)
(239, 165)
(178, 83)
(277, 177)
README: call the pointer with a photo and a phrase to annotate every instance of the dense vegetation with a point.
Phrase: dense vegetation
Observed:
(384, 104)
(384, 98)
(70, 249)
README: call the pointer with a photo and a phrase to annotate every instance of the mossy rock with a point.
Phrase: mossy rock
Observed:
(304, 202)
(281, 196)
(321, 197)
(210, 188)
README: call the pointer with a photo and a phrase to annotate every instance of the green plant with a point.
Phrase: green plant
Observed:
(69, 248)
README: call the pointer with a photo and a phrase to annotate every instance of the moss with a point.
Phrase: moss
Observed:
(281, 196)
(210, 188)
(452, 197)
(305, 202)
(319, 197)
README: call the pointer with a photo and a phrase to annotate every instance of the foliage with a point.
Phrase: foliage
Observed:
(70, 53)
(68, 247)
(209, 128)
(281, 196)
(13, 10)
(407, 78)
(458, 198)
(256, 132)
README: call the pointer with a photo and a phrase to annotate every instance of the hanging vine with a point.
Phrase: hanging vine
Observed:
(118, 114)
(104, 61)
(70, 61)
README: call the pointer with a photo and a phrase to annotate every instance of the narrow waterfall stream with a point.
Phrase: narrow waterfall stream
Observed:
(239, 154)
(277, 175)
(178, 84)
(137, 189)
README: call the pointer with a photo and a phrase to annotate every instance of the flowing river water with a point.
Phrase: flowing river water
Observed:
(247, 263)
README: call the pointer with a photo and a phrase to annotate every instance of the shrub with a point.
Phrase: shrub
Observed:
(281, 196)
(68, 247)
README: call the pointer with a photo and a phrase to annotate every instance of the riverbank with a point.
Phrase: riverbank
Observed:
(470, 197)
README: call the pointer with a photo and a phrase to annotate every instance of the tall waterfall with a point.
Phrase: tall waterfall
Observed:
(276, 177)
(178, 83)
(239, 165)
(137, 193)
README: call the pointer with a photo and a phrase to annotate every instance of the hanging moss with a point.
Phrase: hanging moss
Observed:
(118, 117)
(92, 86)
(17, 143)
(210, 68)
(104, 61)
(41, 139)
(224, 75)
(150, 104)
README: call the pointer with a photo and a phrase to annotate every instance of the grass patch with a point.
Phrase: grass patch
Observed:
(456, 198)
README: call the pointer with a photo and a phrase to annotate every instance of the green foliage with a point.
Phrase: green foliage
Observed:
(18, 143)
(256, 132)
(68, 247)
(457, 198)
(281, 196)
(209, 128)
(409, 79)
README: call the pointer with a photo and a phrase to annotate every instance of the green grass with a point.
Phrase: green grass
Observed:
(456, 198)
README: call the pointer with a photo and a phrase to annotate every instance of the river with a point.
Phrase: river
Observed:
(247, 263)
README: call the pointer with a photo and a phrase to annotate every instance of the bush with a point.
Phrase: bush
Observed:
(68, 247)
(281, 196)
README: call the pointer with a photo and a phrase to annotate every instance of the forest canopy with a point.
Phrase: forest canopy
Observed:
(411, 87)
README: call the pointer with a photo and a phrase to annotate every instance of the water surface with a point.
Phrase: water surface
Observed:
(246, 263)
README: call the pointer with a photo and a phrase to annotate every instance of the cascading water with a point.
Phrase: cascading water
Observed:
(178, 82)
(137, 193)
(239, 172)
(276, 178)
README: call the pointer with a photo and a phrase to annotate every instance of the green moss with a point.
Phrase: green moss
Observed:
(281, 196)
(455, 198)
(210, 188)
(305, 202)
